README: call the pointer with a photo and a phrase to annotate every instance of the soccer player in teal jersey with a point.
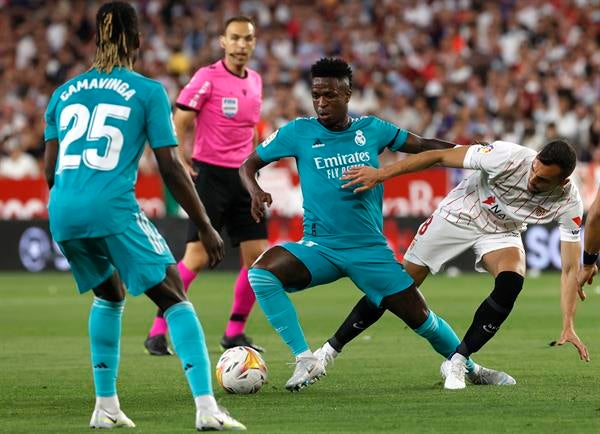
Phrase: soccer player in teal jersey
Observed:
(97, 127)
(342, 231)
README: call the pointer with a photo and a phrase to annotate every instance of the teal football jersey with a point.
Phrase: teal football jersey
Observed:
(333, 216)
(102, 123)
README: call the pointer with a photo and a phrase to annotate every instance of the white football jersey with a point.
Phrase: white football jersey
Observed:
(495, 198)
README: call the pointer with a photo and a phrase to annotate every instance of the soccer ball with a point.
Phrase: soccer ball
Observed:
(241, 370)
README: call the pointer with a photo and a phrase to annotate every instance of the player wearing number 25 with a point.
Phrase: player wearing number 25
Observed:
(97, 125)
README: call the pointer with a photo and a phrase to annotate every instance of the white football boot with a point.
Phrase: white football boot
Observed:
(217, 420)
(308, 370)
(103, 419)
(453, 371)
(486, 376)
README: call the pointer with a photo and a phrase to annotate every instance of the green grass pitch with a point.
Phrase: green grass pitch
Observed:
(386, 381)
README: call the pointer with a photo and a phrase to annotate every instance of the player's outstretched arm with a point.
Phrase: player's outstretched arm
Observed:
(180, 185)
(570, 252)
(50, 156)
(248, 172)
(591, 244)
(415, 144)
(368, 177)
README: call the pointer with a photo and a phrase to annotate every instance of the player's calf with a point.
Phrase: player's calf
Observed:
(492, 312)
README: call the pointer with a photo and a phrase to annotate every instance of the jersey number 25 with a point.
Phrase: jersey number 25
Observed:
(95, 127)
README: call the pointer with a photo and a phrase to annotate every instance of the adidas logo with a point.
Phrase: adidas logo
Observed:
(188, 366)
(318, 144)
(101, 365)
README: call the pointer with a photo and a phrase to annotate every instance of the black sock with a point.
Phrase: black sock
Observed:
(485, 324)
(159, 313)
(362, 316)
(492, 312)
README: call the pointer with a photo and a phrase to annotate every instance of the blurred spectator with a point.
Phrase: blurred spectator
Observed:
(462, 70)
(18, 164)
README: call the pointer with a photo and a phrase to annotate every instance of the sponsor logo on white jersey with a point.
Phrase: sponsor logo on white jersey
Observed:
(485, 149)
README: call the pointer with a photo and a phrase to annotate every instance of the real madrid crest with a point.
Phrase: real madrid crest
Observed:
(360, 138)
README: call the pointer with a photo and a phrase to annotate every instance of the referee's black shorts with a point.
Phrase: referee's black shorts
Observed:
(227, 204)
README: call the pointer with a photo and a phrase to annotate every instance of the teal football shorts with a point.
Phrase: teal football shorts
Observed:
(373, 269)
(140, 255)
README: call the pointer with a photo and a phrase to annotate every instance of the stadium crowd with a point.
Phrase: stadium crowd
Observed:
(462, 70)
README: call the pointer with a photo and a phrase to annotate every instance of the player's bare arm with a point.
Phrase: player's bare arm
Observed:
(180, 185)
(591, 245)
(255, 138)
(570, 253)
(415, 144)
(368, 177)
(260, 197)
(184, 121)
(50, 156)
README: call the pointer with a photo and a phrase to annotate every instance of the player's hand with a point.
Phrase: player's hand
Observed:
(586, 275)
(368, 176)
(189, 168)
(569, 335)
(259, 199)
(213, 243)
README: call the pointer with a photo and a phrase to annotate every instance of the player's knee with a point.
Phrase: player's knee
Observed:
(111, 289)
(263, 282)
(168, 292)
(507, 287)
(195, 257)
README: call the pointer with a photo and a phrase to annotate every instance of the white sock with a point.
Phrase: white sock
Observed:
(206, 403)
(458, 357)
(308, 353)
(108, 403)
(330, 350)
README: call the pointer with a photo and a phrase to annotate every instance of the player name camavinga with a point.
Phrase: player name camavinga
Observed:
(116, 84)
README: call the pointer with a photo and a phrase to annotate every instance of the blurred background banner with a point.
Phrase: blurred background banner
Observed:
(27, 245)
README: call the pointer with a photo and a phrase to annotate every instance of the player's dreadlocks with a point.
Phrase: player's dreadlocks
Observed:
(117, 36)
(332, 67)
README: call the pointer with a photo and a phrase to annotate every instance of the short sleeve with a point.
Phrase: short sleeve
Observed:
(159, 120)
(491, 158)
(569, 222)
(195, 94)
(390, 135)
(278, 145)
(51, 130)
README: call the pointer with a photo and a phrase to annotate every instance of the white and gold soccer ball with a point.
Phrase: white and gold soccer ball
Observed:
(241, 370)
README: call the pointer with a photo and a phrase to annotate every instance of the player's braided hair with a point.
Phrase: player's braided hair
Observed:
(560, 153)
(117, 36)
(332, 67)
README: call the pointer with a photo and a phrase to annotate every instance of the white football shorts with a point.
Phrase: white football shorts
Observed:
(438, 241)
